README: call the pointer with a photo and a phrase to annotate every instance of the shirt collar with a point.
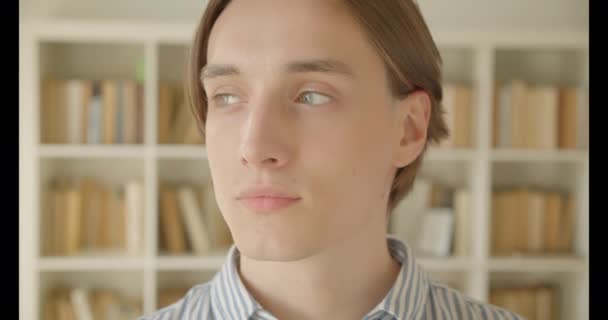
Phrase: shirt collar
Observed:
(404, 301)
(407, 298)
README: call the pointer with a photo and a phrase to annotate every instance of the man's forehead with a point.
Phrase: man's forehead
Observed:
(265, 18)
(261, 36)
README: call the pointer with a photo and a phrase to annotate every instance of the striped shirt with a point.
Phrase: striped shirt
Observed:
(413, 296)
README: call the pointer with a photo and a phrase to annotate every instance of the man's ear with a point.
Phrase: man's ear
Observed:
(413, 115)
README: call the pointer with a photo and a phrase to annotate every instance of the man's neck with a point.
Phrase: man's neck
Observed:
(345, 281)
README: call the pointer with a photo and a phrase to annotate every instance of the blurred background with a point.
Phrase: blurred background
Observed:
(117, 217)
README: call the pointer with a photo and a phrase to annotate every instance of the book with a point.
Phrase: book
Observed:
(60, 217)
(168, 296)
(95, 128)
(530, 221)
(536, 222)
(462, 228)
(130, 111)
(218, 229)
(195, 226)
(84, 188)
(568, 117)
(119, 128)
(463, 112)
(61, 112)
(165, 103)
(495, 226)
(504, 116)
(500, 230)
(102, 304)
(134, 203)
(440, 196)
(509, 214)
(115, 221)
(109, 90)
(121, 223)
(103, 234)
(65, 307)
(553, 221)
(519, 115)
(49, 309)
(172, 227)
(46, 223)
(519, 208)
(567, 226)
(545, 303)
(583, 118)
(139, 113)
(94, 215)
(73, 215)
(80, 301)
(85, 108)
(546, 117)
(435, 237)
(73, 104)
(182, 120)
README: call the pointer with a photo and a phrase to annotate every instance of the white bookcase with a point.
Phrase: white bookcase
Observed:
(98, 49)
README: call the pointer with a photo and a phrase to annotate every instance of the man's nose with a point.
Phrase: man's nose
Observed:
(265, 135)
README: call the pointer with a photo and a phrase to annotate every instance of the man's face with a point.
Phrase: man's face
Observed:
(328, 137)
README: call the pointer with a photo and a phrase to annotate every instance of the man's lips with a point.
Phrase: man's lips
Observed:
(266, 203)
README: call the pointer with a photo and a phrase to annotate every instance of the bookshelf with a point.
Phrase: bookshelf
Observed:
(478, 58)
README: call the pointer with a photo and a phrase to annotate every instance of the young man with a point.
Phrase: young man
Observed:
(316, 115)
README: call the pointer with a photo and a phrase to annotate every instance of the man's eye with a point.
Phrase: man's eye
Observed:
(313, 98)
(224, 99)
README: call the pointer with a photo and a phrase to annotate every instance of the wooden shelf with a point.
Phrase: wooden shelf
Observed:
(166, 263)
(514, 155)
(181, 152)
(90, 263)
(91, 151)
(441, 154)
(480, 168)
(537, 264)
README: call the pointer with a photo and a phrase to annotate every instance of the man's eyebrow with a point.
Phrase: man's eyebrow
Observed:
(321, 65)
(317, 65)
(217, 70)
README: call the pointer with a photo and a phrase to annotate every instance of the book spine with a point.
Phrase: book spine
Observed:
(134, 204)
(95, 115)
(74, 98)
(80, 301)
(119, 129)
(197, 230)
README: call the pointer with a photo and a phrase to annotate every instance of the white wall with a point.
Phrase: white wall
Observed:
(555, 14)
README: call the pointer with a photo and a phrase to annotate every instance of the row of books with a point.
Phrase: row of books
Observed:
(434, 219)
(78, 303)
(176, 121)
(534, 302)
(532, 221)
(458, 104)
(82, 111)
(548, 117)
(84, 216)
(190, 221)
